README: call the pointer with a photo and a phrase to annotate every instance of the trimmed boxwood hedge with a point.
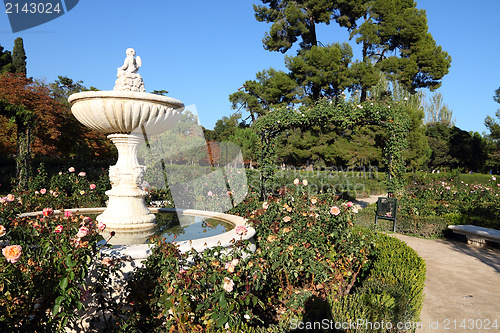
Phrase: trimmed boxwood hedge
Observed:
(392, 292)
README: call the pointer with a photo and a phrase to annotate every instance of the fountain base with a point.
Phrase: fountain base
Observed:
(126, 208)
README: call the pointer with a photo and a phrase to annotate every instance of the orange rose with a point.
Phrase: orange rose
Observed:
(12, 253)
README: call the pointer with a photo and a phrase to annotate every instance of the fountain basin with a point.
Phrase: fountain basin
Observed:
(114, 112)
(137, 252)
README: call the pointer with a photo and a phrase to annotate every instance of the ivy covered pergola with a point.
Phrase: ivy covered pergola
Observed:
(343, 115)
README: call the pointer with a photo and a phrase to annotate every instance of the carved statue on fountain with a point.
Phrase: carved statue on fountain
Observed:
(128, 78)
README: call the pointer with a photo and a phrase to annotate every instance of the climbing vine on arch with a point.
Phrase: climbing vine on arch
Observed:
(343, 115)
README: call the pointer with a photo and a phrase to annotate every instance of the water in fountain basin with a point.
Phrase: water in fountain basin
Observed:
(190, 227)
(169, 227)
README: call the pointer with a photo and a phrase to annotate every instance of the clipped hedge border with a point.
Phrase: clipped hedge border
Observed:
(392, 292)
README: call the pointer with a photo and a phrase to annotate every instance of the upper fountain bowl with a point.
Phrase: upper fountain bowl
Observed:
(113, 112)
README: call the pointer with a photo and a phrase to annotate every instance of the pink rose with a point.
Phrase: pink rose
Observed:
(350, 204)
(43, 191)
(82, 232)
(210, 193)
(82, 174)
(10, 197)
(2, 230)
(335, 210)
(92, 186)
(71, 169)
(101, 226)
(58, 229)
(12, 253)
(67, 213)
(241, 230)
(47, 211)
(107, 261)
(228, 284)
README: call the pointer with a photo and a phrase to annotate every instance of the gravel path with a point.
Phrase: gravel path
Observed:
(462, 287)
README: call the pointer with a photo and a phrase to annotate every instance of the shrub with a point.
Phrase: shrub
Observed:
(307, 250)
(196, 291)
(428, 203)
(66, 189)
(393, 290)
(42, 280)
(310, 243)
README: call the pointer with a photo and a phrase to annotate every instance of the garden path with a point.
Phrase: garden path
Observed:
(462, 287)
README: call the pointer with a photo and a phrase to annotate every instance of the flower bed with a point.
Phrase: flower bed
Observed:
(311, 263)
(429, 204)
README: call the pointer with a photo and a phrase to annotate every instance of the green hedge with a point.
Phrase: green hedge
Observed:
(392, 293)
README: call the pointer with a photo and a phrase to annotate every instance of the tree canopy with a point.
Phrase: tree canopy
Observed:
(19, 57)
(393, 34)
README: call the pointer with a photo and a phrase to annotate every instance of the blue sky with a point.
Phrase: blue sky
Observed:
(202, 51)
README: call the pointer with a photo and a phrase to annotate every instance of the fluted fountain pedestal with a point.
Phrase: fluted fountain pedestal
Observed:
(126, 208)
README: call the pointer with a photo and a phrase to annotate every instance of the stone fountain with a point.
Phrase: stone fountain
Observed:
(128, 115)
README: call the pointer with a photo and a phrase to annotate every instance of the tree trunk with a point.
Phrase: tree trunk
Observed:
(365, 59)
(23, 156)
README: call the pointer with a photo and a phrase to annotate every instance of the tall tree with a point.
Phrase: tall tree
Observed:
(227, 126)
(393, 34)
(494, 137)
(248, 140)
(19, 57)
(438, 112)
(322, 71)
(395, 38)
(36, 116)
(5, 61)
(496, 96)
(77, 141)
(272, 88)
(291, 20)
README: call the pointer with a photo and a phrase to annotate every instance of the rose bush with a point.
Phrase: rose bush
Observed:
(303, 251)
(65, 189)
(43, 268)
(429, 204)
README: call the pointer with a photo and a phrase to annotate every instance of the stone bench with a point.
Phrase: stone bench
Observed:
(477, 235)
